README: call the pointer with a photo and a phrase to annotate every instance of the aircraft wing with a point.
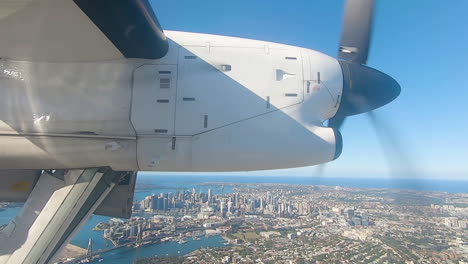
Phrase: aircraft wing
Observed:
(79, 30)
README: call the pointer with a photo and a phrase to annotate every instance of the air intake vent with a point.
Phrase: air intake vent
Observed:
(165, 83)
(160, 131)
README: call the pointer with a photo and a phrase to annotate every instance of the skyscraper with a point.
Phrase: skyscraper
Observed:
(154, 202)
(169, 200)
(222, 209)
(350, 213)
(210, 194)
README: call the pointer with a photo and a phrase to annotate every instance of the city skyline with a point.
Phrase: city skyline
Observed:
(274, 203)
(300, 223)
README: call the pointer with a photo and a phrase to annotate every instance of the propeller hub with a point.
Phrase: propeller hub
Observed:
(365, 89)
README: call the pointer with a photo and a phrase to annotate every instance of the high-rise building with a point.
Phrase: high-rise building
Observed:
(463, 224)
(154, 202)
(133, 230)
(357, 221)
(350, 213)
(222, 209)
(169, 200)
(161, 203)
(364, 217)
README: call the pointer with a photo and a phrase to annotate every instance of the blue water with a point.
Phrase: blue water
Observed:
(128, 255)
(86, 232)
(8, 214)
(420, 184)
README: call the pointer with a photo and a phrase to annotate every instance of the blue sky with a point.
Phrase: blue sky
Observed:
(422, 44)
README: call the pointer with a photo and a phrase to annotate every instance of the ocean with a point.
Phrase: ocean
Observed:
(420, 184)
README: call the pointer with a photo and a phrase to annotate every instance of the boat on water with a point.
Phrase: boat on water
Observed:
(195, 238)
(164, 239)
(182, 241)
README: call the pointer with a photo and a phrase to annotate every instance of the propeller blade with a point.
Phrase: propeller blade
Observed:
(354, 47)
(319, 173)
(356, 33)
(397, 158)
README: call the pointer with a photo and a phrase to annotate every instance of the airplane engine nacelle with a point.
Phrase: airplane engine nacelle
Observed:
(234, 104)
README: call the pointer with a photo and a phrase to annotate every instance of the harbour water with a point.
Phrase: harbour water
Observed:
(7, 214)
(172, 248)
(128, 255)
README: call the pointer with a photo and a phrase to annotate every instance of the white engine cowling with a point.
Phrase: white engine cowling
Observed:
(236, 104)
